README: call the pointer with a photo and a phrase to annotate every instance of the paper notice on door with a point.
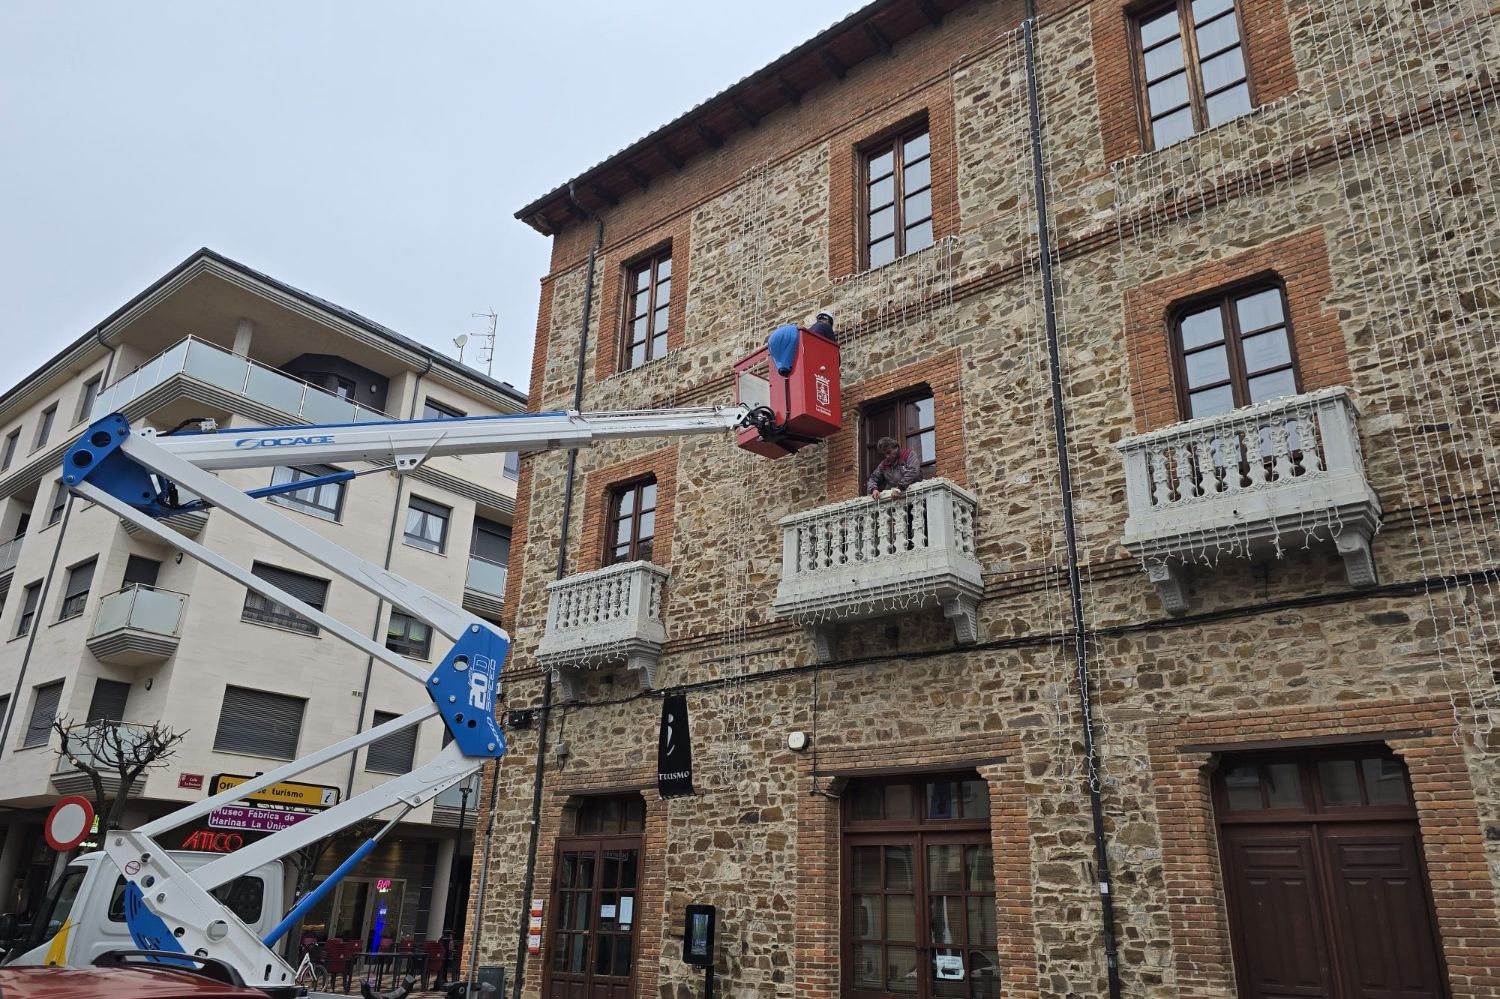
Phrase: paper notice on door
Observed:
(950, 967)
(606, 912)
(627, 910)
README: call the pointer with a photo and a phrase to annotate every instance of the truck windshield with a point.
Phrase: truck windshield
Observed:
(57, 906)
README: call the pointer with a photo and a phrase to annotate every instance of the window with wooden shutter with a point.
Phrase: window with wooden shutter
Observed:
(76, 596)
(632, 522)
(648, 298)
(259, 723)
(1192, 67)
(394, 753)
(263, 610)
(44, 705)
(911, 420)
(897, 196)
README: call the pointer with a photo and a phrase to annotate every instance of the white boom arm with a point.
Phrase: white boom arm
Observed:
(136, 473)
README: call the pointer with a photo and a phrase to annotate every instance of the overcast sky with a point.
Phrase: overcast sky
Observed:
(368, 151)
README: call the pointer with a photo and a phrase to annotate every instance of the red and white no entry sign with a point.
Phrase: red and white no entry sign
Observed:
(68, 822)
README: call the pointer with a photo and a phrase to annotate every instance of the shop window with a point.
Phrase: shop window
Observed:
(261, 609)
(910, 419)
(632, 522)
(1191, 67)
(919, 888)
(648, 291)
(594, 898)
(394, 753)
(76, 596)
(897, 196)
(408, 636)
(325, 501)
(259, 723)
(427, 525)
(44, 705)
(1234, 349)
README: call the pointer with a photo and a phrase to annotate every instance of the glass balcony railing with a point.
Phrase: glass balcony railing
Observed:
(485, 576)
(101, 744)
(453, 797)
(230, 371)
(9, 551)
(139, 608)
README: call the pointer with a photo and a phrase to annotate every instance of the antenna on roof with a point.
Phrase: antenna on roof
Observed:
(488, 338)
(459, 342)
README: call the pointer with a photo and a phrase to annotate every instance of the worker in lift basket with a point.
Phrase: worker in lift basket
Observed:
(898, 468)
(823, 326)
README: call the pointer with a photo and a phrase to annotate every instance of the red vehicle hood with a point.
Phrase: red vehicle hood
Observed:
(114, 983)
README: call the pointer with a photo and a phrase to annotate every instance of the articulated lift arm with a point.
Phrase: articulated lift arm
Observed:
(138, 475)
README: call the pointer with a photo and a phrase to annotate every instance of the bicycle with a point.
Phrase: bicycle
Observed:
(311, 974)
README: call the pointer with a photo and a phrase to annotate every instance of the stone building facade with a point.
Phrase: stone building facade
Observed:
(1274, 320)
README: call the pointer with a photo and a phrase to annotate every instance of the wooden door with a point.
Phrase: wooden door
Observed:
(1326, 892)
(593, 925)
(1276, 910)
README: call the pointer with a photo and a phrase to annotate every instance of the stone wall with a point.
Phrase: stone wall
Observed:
(1364, 182)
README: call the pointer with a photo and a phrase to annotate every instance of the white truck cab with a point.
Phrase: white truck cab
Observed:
(84, 915)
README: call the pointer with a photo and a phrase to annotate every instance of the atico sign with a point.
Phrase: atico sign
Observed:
(213, 841)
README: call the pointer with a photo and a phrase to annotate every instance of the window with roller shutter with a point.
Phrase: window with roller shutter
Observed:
(263, 610)
(108, 701)
(44, 707)
(259, 723)
(394, 753)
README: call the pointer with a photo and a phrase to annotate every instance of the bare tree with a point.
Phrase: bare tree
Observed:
(114, 757)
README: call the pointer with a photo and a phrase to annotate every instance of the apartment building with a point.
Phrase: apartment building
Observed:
(1242, 255)
(103, 624)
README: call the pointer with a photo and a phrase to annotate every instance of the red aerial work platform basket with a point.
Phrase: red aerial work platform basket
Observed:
(804, 402)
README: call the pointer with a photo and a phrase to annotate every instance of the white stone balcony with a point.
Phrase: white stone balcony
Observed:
(866, 558)
(137, 626)
(1264, 478)
(607, 617)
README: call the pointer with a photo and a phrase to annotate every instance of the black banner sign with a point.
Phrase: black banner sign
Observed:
(674, 749)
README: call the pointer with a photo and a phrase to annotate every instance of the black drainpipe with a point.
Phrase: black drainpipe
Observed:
(1065, 483)
(562, 570)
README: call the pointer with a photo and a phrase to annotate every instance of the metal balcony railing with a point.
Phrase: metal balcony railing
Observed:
(1240, 482)
(232, 372)
(865, 558)
(607, 616)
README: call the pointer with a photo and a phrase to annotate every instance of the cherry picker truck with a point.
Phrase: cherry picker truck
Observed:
(142, 476)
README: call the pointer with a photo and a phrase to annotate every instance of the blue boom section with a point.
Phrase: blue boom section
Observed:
(147, 929)
(464, 687)
(96, 457)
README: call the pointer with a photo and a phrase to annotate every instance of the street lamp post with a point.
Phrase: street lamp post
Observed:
(463, 811)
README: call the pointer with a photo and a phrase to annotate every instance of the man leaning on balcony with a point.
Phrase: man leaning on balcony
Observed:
(898, 468)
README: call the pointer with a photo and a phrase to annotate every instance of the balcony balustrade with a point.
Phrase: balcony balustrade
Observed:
(865, 558)
(137, 626)
(602, 618)
(1247, 481)
(484, 587)
(99, 745)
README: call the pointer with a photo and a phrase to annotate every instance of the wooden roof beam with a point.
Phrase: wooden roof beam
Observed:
(835, 67)
(881, 42)
(933, 15)
(669, 156)
(604, 195)
(749, 117)
(788, 91)
(640, 179)
(709, 136)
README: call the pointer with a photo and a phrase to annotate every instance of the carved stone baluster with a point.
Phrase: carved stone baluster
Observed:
(1282, 457)
(1161, 491)
(1208, 466)
(1187, 487)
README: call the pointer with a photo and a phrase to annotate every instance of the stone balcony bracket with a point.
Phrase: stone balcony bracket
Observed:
(863, 559)
(606, 618)
(1282, 473)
